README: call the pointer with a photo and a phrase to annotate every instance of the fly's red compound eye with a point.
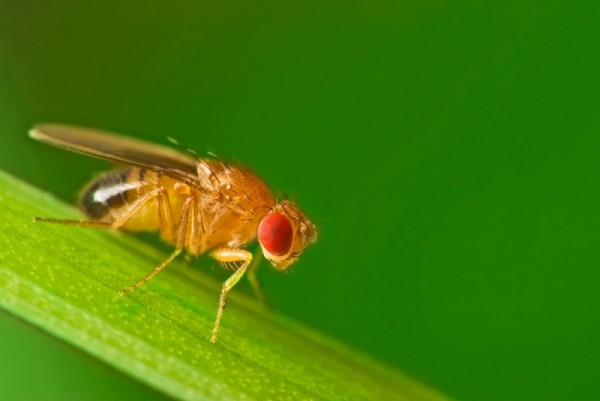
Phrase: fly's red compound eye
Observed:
(275, 234)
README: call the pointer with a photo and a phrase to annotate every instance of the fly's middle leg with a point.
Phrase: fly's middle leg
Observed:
(186, 230)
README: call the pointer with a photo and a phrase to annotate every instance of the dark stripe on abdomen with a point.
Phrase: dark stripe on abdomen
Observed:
(109, 191)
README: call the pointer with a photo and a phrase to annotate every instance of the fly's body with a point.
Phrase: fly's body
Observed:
(199, 205)
(228, 213)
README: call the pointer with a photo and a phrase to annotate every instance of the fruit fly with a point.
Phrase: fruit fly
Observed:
(198, 204)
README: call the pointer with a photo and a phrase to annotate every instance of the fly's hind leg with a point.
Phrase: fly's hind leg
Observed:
(186, 229)
(164, 209)
(225, 255)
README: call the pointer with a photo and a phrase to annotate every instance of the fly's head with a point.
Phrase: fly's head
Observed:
(284, 233)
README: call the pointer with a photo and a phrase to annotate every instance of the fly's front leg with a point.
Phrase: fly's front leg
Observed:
(186, 229)
(254, 281)
(225, 255)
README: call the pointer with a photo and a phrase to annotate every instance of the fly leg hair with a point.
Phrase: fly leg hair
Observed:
(226, 255)
(186, 229)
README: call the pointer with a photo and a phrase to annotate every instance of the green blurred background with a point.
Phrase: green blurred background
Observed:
(449, 153)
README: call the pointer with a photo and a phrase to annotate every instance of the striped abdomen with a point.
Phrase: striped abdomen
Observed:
(110, 192)
(114, 195)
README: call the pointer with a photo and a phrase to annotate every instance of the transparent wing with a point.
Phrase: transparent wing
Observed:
(120, 149)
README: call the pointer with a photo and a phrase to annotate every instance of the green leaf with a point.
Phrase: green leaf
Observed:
(65, 280)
